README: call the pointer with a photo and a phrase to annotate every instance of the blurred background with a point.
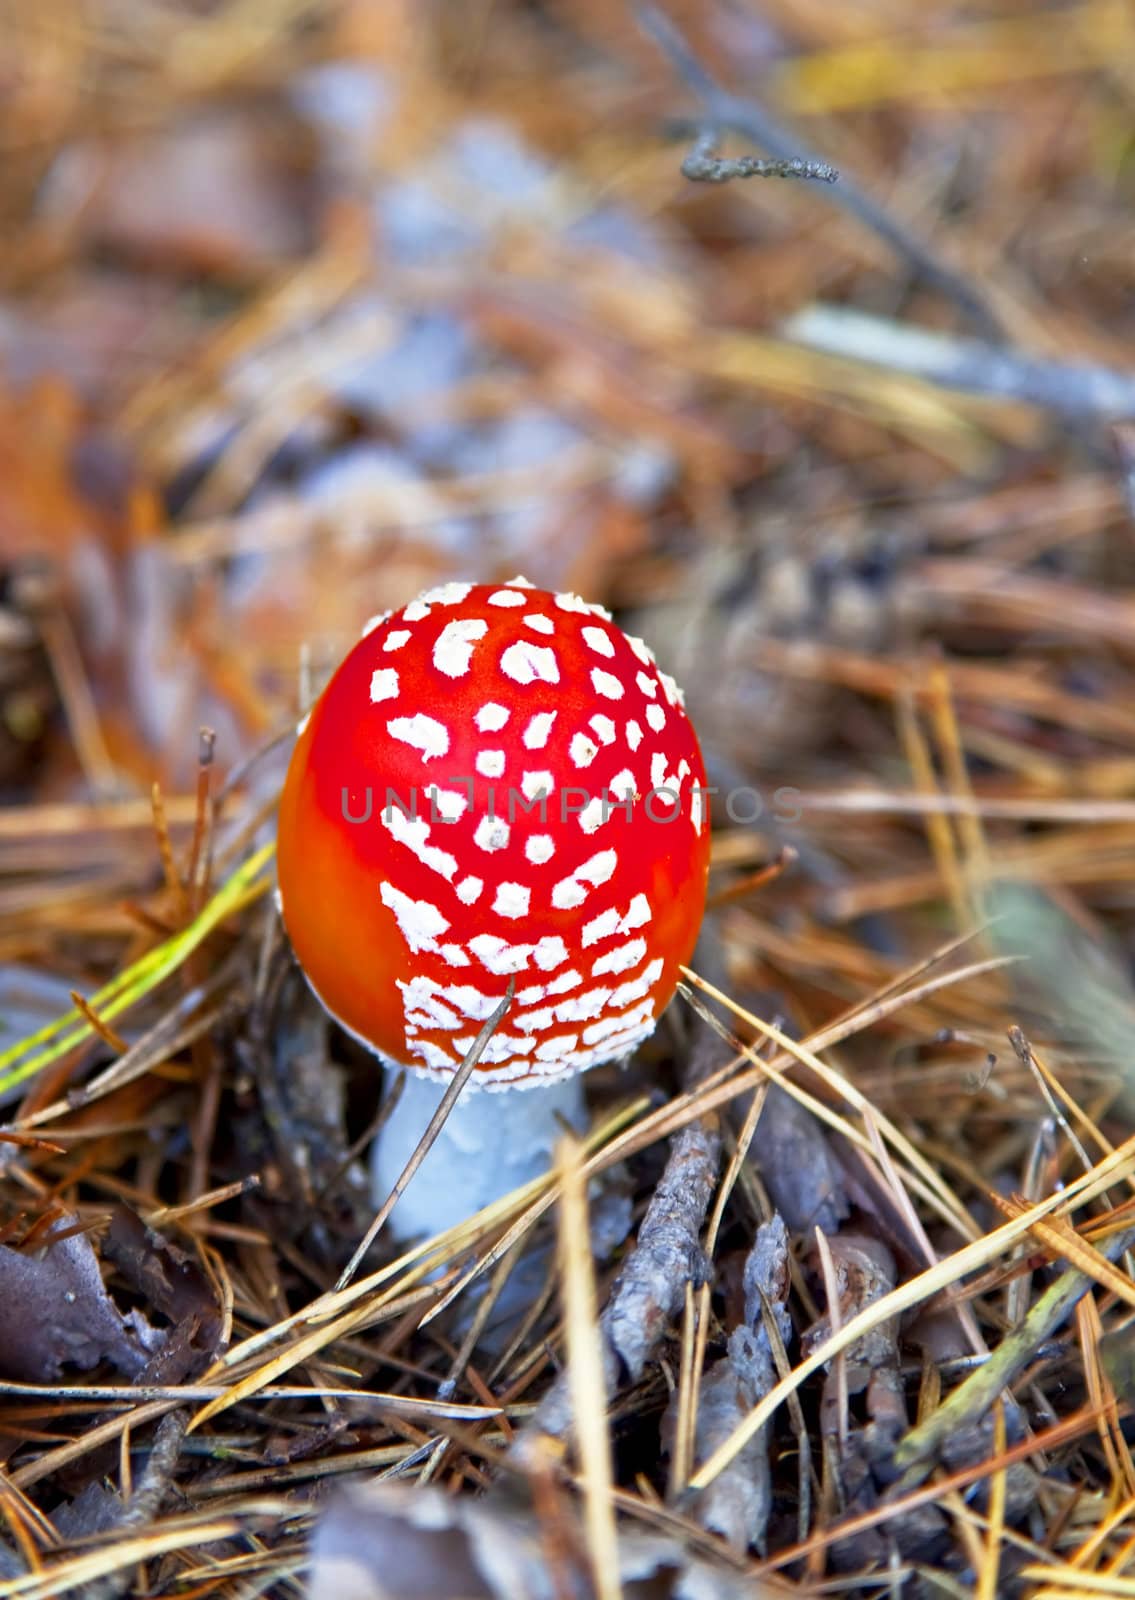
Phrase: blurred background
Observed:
(305, 305)
(308, 304)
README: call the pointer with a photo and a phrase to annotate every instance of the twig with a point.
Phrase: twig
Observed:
(146, 1501)
(918, 1452)
(106, 1033)
(737, 1505)
(40, 595)
(436, 1123)
(585, 1371)
(924, 1286)
(173, 1031)
(704, 165)
(200, 849)
(752, 122)
(447, 1388)
(1067, 388)
(650, 1290)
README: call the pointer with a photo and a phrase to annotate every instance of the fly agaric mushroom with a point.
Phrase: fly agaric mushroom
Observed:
(497, 783)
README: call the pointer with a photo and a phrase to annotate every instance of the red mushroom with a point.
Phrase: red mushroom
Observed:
(497, 781)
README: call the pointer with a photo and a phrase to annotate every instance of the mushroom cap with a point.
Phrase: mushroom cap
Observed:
(450, 818)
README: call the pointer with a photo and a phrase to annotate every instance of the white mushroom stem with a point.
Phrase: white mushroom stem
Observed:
(493, 1141)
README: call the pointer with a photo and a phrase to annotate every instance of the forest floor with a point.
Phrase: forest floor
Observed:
(802, 337)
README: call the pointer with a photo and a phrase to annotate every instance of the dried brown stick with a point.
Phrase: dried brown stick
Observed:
(185, 1021)
(723, 110)
(704, 165)
(146, 1501)
(433, 1128)
(918, 1452)
(649, 1291)
(738, 1503)
(1083, 391)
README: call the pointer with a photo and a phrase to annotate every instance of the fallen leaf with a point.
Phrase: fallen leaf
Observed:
(55, 1313)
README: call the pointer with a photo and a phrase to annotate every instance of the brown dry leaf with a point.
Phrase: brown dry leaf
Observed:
(381, 1542)
(211, 193)
(55, 1313)
(174, 1285)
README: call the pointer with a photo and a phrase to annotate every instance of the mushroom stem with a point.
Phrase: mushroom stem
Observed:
(493, 1141)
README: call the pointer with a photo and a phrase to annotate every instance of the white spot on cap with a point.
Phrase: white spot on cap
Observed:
(414, 833)
(526, 662)
(534, 784)
(537, 731)
(507, 597)
(572, 891)
(395, 639)
(606, 684)
(604, 728)
(423, 994)
(638, 914)
(521, 582)
(656, 717)
(419, 921)
(532, 995)
(642, 650)
(622, 786)
(554, 1049)
(454, 955)
(469, 1001)
(383, 684)
(697, 807)
(454, 648)
(599, 868)
(433, 1055)
(492, 717)
(618, 1046)
(420, 998)
(447, 594)
(426, 734)
(372, 623)
(582, 750)
(448, 804)
(600, 927)
(599, 640)
(468, 889)
(537, 1021)
(570, 979)
(582, 1006)
(416, 611)
(301, 725)
(492, 833)
(550, 952)
(498, 955)
(647, 684)
(490, 763)
(512, 900)
(427, 1019)
(611, 1025)
(621, 959)
(635, 988)
(673, 693)
(539, 623)
(568, 893)
(634, 734)
(502, 1046)
(540, 847)
(594, 814)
